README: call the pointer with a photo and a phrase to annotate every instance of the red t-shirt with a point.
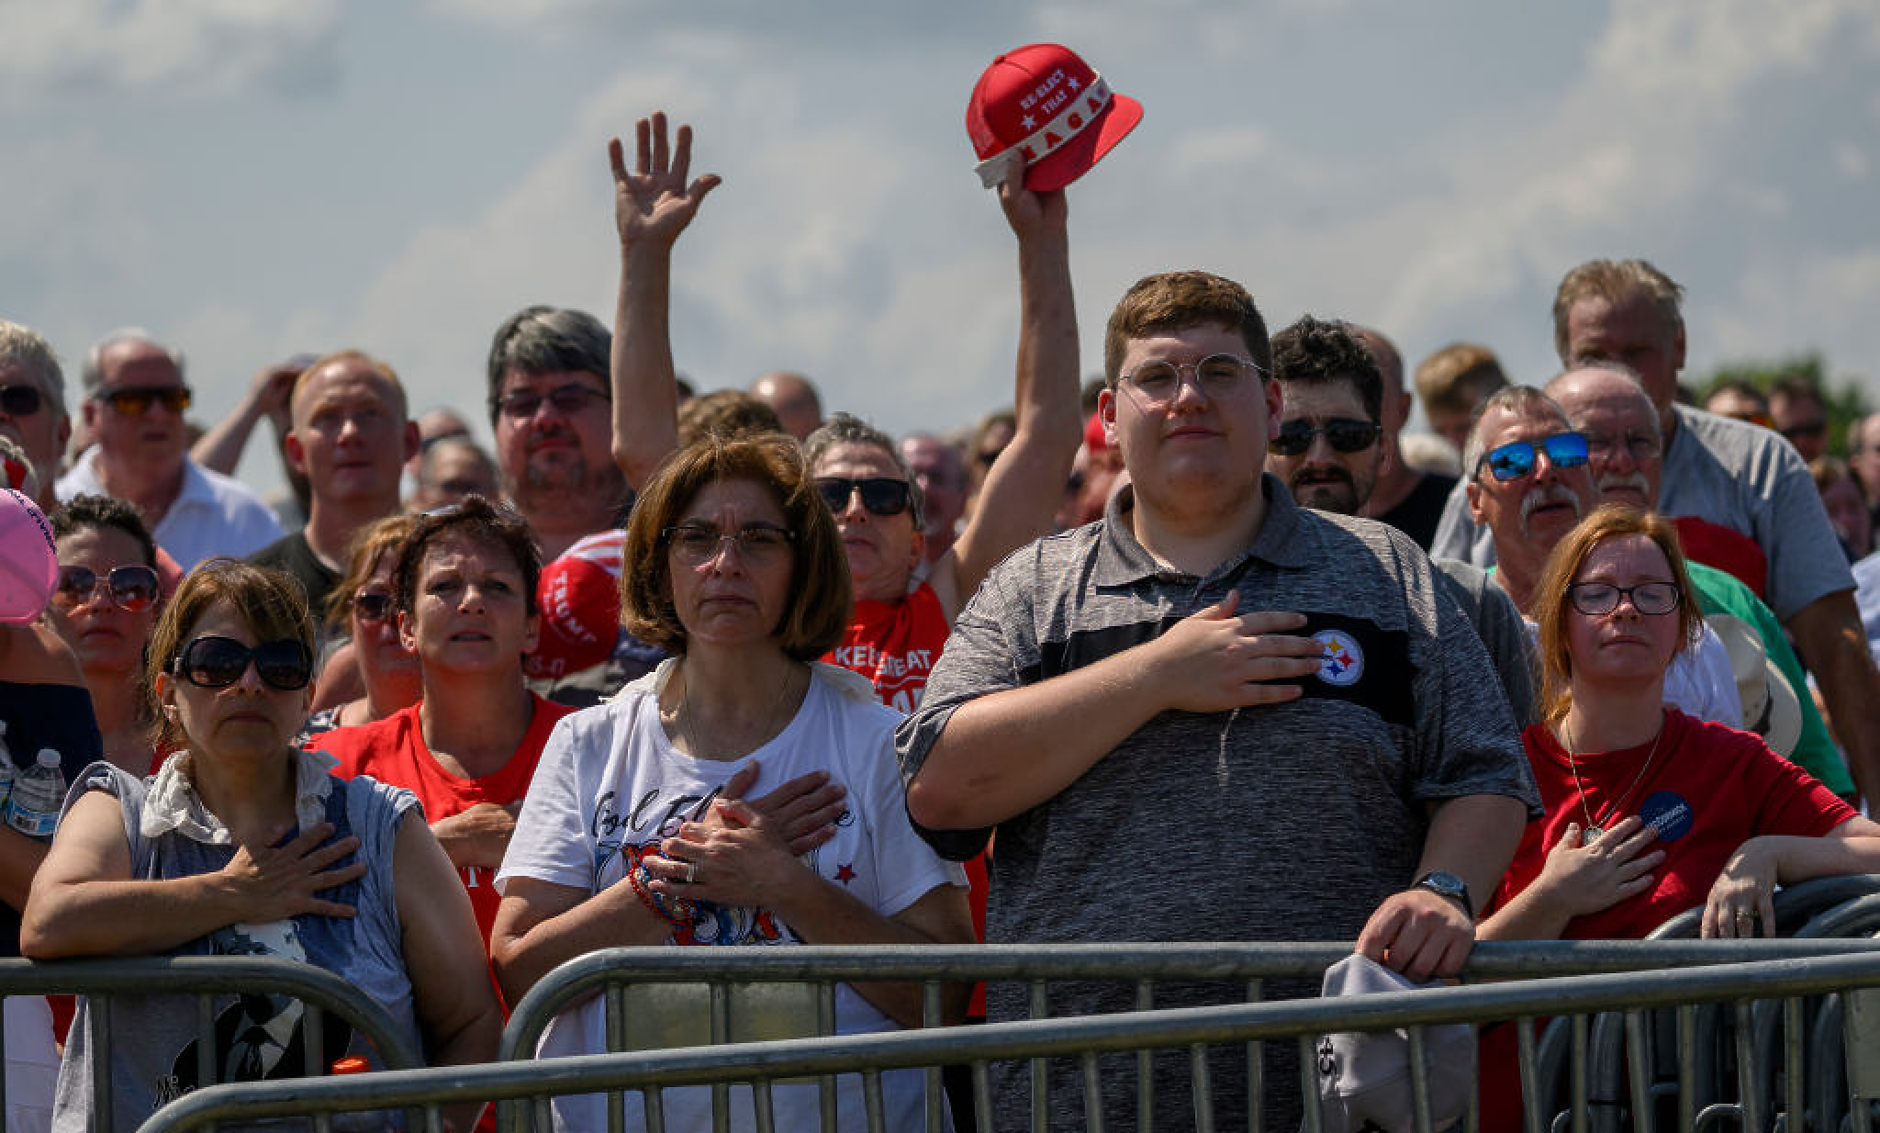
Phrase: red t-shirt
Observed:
(1709, 789)
(393, 751)
(895, 645)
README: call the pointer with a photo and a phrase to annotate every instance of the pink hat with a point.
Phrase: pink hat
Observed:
(29, 563)
(1043, 105)
(579, 599)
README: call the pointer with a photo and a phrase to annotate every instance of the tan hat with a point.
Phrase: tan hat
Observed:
(1365, 1079)
(1770, 708)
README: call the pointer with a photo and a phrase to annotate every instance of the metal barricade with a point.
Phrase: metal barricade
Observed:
(761, 1064)
(204, 978)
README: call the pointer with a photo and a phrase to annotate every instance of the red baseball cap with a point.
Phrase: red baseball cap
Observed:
(579, 599)
(1044, 106)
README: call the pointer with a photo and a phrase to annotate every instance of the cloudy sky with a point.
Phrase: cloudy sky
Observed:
(255, 178)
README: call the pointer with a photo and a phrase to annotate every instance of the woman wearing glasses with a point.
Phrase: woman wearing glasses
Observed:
(242, 845)
(363, 608)
(1650, 812)
(742, 793)
(105, 607)
(463, 588)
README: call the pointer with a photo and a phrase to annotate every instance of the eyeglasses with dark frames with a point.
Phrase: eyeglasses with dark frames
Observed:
(135, 402)
(1597, 599)
(218, 662)
(1344, 434)
(881, 495)
(1517, 459)
(21, 401)
(567, 400)
(373, 605)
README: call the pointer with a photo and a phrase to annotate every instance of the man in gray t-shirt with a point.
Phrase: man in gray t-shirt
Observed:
(1720, 474)
(1213, 715)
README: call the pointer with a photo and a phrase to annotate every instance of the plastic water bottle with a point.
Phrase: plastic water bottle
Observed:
(6, 768)
(38, 793)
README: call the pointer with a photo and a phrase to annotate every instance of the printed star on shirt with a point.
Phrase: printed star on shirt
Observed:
(845, 872)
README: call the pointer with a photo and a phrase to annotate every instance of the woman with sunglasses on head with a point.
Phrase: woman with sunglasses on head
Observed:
(105, 607)
(243, 845)
(363, 609)
(644, 824)
(463, 588)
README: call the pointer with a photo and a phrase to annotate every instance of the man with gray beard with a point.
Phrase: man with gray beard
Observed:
(1528, 484)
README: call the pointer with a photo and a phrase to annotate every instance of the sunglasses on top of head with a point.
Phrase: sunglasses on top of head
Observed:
(880, 495)
(1344, 434)
(218, 662)
(137, 402)
(133, 588)
(1516, 459)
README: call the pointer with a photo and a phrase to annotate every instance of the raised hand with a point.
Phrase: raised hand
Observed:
(273, 883)
(654, 203)
(1031, 213)
(1218, 659)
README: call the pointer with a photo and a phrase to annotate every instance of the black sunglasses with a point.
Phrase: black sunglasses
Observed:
(880, 495)
(1344, 434)
(20, 401)
(133, 587)
(372, 606)
(137, 402)
(218, 662)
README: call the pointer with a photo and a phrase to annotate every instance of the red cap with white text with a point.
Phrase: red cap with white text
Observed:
(1045, 107)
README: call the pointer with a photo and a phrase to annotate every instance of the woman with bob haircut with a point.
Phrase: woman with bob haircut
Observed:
(642, 826)
(1649, 812)
(243, 845)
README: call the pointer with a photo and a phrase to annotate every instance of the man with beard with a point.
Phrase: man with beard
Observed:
(1627, 457)
(549, 407)
(1528, 485)
(1329, 451)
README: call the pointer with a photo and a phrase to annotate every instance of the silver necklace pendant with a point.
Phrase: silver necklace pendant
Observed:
(1593, 834)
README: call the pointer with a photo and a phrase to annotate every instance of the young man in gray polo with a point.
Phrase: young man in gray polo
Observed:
(1213, 715)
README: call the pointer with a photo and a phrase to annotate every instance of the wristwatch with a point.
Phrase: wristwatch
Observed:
(1446, 885)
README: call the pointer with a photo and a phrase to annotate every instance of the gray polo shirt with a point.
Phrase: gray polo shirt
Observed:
(1282, 822)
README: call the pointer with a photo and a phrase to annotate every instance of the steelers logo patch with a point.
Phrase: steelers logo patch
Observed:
(1344, 660)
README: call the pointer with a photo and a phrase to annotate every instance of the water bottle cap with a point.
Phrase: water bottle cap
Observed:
(48, 757)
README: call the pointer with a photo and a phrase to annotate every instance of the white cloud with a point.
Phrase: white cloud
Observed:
(1850, 159)
(189, 47)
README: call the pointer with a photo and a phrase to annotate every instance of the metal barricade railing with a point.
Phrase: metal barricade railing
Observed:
(204, 978)
(638, 983)
(760, 1064)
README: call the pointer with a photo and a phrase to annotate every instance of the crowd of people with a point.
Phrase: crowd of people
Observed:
(1165, 659)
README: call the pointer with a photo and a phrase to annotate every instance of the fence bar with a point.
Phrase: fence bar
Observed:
(1309, 1084)
(1420, 1082)
(1687, 1067)
(1145, 1065)
(1638, 1053)
(1296, 1020)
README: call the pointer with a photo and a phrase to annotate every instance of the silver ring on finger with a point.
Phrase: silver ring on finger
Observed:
(691, 872)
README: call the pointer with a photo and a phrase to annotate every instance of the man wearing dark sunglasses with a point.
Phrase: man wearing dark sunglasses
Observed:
(32, 405)
(134, 402)
(1327, 448)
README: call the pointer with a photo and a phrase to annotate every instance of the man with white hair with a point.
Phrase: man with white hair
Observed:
(1528, 484)
(134, 402)
(32, 405)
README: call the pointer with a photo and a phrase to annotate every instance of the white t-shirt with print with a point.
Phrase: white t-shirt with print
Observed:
(611, 786)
